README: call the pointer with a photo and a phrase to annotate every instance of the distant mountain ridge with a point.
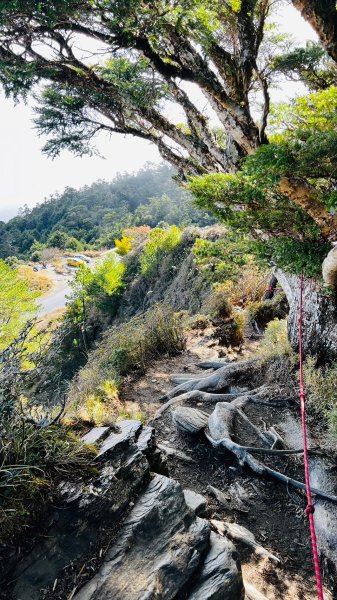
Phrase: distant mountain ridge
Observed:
(94, 215)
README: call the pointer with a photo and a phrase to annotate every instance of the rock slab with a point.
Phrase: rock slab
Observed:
(165, 552)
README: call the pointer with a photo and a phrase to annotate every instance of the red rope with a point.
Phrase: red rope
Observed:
(310, 507)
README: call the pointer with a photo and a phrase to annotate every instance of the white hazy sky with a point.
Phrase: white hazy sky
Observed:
(27, 176)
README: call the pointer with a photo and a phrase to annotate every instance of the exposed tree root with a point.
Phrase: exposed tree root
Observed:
(245, 459)
(221, 380)
(194, 396)
(252, 593)
(212, 364)
(220, 425)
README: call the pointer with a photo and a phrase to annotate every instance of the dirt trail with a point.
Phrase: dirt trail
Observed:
(273, 513)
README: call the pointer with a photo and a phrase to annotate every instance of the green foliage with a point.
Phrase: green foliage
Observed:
(309, 64)
(161, 242)
(321, 384)
(123, 245)
(126, 348)
(95, 287)
(275, 340)
(17, 304)
(294, 256)
(303, 145)
(223, 258)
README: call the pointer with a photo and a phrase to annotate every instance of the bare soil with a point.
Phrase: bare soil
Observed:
(272, 512)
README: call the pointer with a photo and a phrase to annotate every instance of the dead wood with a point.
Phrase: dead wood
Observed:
(237, 533)
(169, 451)
(221, 380)
(194, 396)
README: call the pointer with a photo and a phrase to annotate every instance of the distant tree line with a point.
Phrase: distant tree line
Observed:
(95, 215)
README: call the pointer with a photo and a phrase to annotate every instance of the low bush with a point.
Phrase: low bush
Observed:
(127, 348)
(161, 242)
(124, 245)
(321, 385)
(275, 340)
(32, 461)
(217, 304)
(263, 312)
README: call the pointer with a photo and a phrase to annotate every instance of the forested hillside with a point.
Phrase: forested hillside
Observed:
(186, 371)
(95, 215)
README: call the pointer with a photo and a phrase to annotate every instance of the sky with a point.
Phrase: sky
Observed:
(28, 177)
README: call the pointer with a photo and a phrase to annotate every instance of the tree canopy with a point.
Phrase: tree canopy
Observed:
(119, 67)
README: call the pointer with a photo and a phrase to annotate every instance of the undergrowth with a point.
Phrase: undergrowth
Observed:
(32, 462)
(321, 384)
(127, 348)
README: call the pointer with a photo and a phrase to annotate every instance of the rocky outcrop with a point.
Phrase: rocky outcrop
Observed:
(319, 316)
(86, 510)
(164, 552)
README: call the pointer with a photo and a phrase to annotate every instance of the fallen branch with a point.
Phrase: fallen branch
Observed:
(237, 533)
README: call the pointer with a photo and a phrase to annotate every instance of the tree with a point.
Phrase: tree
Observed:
(322, 16)
(17, 304)
(151, 51)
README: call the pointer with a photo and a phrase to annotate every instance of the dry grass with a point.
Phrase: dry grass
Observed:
(127, 348)
(33, 462)
(38, 282)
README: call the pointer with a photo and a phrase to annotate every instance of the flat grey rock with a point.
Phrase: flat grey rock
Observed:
(160, 548)
(190, 420)
(145, 440)
(220, 577)
(196, 502)
(118, 441)
(95, 435)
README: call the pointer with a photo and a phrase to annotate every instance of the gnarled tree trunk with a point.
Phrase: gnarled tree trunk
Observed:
(319, 317)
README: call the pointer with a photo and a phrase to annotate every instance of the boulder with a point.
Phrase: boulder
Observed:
(195, 502)
(85, 510)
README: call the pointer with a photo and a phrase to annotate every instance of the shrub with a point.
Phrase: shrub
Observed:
(125, 349)
(321, 384)
(218, 305)
(17, 303)
(249, 286)
(264, 311)
(161, 242)
(33, 461)
(275, 340)
(123, 245)
(224, 258)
